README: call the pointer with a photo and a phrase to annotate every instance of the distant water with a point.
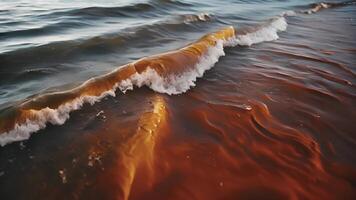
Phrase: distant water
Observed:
(168, 99)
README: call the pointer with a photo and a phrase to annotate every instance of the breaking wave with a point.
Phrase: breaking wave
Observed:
(120, 11)
(171, 73)
(164, 73)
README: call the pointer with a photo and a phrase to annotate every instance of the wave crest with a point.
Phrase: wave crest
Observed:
(316, 7)
(266, 32)
(171, 73)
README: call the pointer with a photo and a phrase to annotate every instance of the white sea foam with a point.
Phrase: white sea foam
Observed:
(172, 84)
(48, 115)
(267, 32)
(177, 83)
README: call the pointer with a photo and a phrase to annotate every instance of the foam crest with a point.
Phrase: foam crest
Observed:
(267, 32)
(176, 83)
(38, 119)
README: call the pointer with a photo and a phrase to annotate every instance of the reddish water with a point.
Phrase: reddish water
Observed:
(272, 121)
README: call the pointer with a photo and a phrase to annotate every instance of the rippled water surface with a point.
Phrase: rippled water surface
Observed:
(177, 99)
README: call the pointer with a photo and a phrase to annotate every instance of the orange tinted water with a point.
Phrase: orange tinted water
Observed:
(271, 121)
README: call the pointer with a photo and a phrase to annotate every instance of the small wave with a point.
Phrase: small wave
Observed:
(112, 11)
(35, 72)
(324, 5)
(317, 7)
(196, 18)
(132, 10)
(102, 12)
(44, 30)
(171, 73)
(69, 49)
(265, 32)
(171, 2)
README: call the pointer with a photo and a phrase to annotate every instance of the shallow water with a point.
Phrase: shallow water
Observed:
(268, 116)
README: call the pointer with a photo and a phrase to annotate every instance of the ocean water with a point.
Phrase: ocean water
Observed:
(177, 99)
